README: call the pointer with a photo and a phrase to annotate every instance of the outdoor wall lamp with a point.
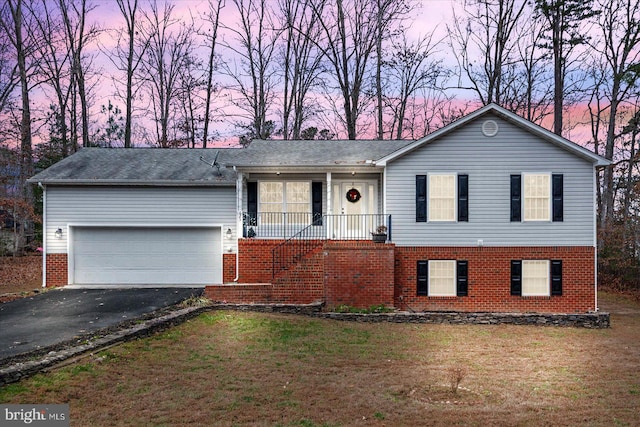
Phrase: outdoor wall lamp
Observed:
(229, 233)
(58, 233)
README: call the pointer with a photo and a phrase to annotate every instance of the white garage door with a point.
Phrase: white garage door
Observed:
(141, 256)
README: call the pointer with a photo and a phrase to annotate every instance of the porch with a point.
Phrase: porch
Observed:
(315, 226)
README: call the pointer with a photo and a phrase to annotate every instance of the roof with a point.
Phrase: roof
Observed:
(270, 153)
(180, 166)
(559, 141)
(142, 166)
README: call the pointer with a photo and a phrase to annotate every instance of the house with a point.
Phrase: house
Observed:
(488, 214)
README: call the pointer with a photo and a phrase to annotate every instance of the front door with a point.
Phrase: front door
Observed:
(354, 204)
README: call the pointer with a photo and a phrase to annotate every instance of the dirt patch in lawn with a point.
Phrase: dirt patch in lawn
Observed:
(20, 276)
(235, 368)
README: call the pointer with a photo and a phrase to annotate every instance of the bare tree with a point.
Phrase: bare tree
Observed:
(212, 18)
(532, 95)
(253, 72)
(169, 45)
(301, 64)
(8, 65)
(564, 20)
(127, 59)
(620, 74)
(488, 28)
(388, 14)
(411, 69)
(79, 34)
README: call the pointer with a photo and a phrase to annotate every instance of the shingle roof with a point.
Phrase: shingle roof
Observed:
(316, 153)
(141, 166)
(153, 166)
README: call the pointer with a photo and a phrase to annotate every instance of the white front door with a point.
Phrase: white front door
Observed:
(354, 205)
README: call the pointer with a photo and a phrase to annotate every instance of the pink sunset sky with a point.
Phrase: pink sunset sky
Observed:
(430, 15)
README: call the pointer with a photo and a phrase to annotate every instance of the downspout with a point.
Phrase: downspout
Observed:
(44, 234)
(239, 225)
(595, 237)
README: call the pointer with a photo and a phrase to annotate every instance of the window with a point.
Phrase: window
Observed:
(537, 197)
(445, 191)
(276, 197)
(536, 277)
(442, 197)
(543, 197)
(442, 278)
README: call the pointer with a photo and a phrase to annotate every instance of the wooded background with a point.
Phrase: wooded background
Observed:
(222, 72)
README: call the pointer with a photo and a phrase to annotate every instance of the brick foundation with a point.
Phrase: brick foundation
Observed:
(358, 273)
(256, 260)
(228, 268)
(57, 270)
(489, 279)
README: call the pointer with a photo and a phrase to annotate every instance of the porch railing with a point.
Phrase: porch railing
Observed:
(327, 227)
(284, 225)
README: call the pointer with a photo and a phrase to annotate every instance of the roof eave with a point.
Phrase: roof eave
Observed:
(135, 183)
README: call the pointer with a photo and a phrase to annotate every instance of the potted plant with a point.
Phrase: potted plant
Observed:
(380, 235)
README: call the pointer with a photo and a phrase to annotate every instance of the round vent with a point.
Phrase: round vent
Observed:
(489, 128)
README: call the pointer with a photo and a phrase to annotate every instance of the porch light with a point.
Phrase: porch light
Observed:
(278, 173)
(229, 233)
(58, 233)
(353, 173)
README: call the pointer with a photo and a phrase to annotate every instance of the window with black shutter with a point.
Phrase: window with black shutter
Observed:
(516, 277)
(556, 277)
(422, 277)
(421, 198)
(463, 198)
(516, 204)
(252, 203)
(557, 191)
(462, 278)
(316, 202)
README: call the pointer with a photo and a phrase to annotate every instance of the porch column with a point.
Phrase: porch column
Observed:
(239, 221)
(329, 225)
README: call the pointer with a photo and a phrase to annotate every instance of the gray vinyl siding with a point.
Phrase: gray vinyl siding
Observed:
(489, 162)
(161, 206)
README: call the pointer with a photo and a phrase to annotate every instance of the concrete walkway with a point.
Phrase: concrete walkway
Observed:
(63, 315)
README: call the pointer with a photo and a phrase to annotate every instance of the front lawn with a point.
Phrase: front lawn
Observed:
(237, 368)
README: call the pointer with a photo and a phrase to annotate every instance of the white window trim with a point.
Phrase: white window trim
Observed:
(453, 264)
(455, 196)
(548, 270)
(522, 202)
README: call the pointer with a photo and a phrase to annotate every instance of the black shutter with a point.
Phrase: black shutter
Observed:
(557, 194)
(516, 188)
(422, 274)
(316, 202)
(463, 198)
(421, 198)
(252, 203)
(516, 277)
(556, 277)
(462, 285)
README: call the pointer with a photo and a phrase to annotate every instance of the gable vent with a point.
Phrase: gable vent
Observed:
(489, 128)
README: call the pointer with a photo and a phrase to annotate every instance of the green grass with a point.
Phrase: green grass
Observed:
(240, 368)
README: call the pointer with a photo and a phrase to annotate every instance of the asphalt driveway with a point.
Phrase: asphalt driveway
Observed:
(61, 315)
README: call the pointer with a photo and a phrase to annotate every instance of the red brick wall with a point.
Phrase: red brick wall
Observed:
(255, 262)
(240, 294)
(57, 269)
(303, 283)
(490, 279)
(228, 268)
(358, 273)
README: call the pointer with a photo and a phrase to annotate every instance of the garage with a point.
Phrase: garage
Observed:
(145, 255)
